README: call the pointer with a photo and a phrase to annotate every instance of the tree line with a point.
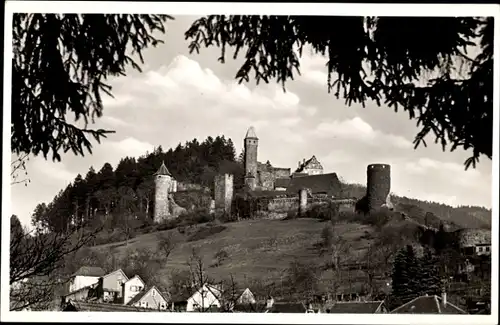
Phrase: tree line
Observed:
(110, 196)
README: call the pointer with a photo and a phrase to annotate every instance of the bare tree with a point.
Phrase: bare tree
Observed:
(165, 245)
(36, 261)
(334, 246)
(18, 172)
(199, 278)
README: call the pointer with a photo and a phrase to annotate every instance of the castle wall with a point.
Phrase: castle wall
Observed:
(283, 204)
(182, 186)
(266, 180)
(223, 192)
(302, 201)
(161, 207)
(378, 185)
(251, 182)
(282, 172)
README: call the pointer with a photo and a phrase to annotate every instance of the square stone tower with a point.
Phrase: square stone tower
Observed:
(223, 192)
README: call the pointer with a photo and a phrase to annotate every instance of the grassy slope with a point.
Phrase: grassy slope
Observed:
(252, 253)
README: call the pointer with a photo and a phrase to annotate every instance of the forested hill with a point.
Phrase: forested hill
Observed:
(432, 212)
(127, 190)
(125, 194)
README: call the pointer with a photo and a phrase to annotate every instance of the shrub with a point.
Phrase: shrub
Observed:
(206, 232)
(221, 256)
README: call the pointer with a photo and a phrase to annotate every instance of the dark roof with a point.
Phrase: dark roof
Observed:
(251, 133)
(287, 307)
(163, 170)
(323, 183)
(428, 305)
(141, 294)
(355, 307)
(94, 306)
(249, 308)
(90, 271)
(282, 182)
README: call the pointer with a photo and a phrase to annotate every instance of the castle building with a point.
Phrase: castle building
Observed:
(309, 167)
(259, 176)
(164, 185)
(265, 177)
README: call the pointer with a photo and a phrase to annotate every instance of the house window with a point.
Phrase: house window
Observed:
(480, 249)
(487, 249)
(153, 293)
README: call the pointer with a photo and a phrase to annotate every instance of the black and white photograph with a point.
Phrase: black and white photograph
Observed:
(229, 159)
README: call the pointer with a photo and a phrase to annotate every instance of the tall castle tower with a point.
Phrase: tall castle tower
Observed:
(251, 145)
(163, 184)
(378, 185)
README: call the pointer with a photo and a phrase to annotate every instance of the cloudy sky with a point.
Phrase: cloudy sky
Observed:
(180, 96)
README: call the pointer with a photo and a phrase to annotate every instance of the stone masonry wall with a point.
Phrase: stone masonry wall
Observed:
(223, 192)
(161, 208)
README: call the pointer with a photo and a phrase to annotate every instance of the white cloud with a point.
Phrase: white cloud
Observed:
(132, 147)
(53, 170)
(114, 121)
(357, 129)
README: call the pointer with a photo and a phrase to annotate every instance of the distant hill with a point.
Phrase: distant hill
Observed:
(455, 217)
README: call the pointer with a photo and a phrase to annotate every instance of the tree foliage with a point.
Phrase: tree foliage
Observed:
(59, 67)
(121, 199)
(419, 64)
(414, 276)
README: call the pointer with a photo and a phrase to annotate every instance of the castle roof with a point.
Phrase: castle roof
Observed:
(163, 170)
(323, 183)
(311, 161)
(251, 133)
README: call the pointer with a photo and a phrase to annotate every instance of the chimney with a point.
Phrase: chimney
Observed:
(123, 293)
(443, 298)
(270, 302)
(299, 163)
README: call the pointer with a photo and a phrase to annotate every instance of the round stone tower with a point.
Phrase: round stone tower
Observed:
(378, 185)
(163, 183)
(251, 144)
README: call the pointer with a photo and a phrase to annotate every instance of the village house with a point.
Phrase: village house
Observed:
(110, 286)
(131, 288)
(429, 305)
(85, 276)
(149, 298)
(205, 298)
(82, 294)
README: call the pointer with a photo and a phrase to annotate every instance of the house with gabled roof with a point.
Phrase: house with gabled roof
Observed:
(149, 297)
(429, 305)
(85, 276)
(110, 286)
(207, 297)
(310, 167)
(131, 288)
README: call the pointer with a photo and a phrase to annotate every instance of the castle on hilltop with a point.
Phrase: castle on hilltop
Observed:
(282, 189)
(265, 177)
